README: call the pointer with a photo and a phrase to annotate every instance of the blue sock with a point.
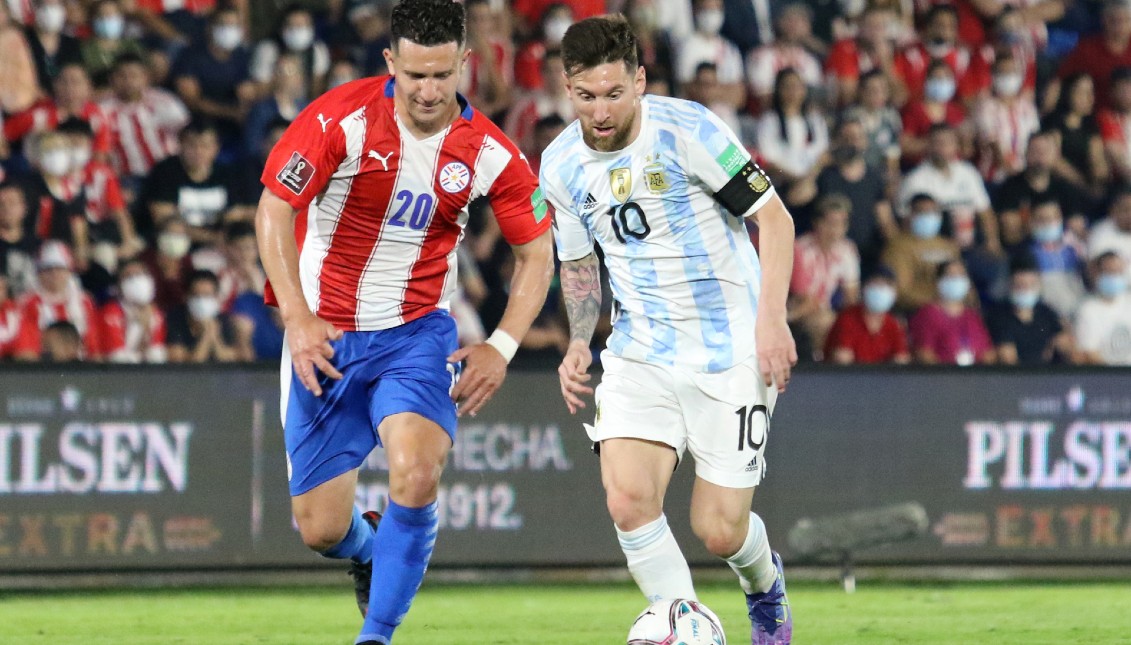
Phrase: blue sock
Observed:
(401, 551)
(357, 544)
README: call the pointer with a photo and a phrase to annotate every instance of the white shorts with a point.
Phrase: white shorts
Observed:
(723, 418)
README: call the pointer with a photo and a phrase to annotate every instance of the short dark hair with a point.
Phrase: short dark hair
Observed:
(202, 275)
(551, 121)
(199, 126)
(75, 125)
(599, 40)
(919, 198)
(428, 22)
(128, 58)
(1023, 263)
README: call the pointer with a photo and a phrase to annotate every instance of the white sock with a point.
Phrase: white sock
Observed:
(655, 561)
(754, 563)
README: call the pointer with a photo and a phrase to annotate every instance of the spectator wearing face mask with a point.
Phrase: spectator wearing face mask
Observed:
(940, 42)
(133, 328)
(1004, 122)
(109, 41)
(948, 331)
(1060, 266)
(1024, 329)
(169, 264)
(867, 332)
(938, 105)
(657, 25)
(1011, 39)
(530, 12)
(915, 254)
(705, 45)
(199, 332)
(213, 80)
(50, 47)
(1103, 325)
(56, 212)
(530, 73)
(1099, 55)
(871, 221)
(108, 221)
(1036, 184)
(489, 72)
(295, 36)
(57, 297)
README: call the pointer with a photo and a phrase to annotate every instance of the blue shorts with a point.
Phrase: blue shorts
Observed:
(402, 369)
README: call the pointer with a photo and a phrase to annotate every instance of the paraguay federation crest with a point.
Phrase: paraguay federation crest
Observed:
(454, 177)
(620, 180)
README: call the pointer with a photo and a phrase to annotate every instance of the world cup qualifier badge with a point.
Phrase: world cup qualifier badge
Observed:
(296, 174)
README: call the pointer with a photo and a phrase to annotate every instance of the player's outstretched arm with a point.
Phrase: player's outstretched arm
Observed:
(308, 336)
(486, 366)
(777, 353)
(581, 289)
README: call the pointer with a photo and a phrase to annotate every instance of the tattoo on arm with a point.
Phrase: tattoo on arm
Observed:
(581, 287)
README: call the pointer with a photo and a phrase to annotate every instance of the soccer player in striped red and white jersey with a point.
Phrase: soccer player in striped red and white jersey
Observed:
(366, 199)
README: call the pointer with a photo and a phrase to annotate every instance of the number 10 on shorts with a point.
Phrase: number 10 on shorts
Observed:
(753, 423)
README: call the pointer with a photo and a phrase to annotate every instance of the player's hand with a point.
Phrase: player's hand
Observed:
(309, 341)
(483, 372)
(573, 375)
(777, 353)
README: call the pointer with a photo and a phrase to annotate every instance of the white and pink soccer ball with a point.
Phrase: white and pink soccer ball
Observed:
(677, 622)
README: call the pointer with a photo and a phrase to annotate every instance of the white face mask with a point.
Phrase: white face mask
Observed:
(109, 27)
(298, 38)
(80, 157)
(50, 18)
(555, 30)
(105, 255)
(227, 37)
(203, 307)
(173, 245)
(55, 162)
(709, 21)
(138, 289)
(1008, 84)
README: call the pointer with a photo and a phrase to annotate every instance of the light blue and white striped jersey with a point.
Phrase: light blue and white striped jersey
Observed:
(684, 275)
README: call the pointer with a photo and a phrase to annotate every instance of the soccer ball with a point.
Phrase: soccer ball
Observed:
(677, 622)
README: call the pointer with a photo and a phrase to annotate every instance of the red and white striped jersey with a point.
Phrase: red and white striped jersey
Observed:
(126, 338)
(381, 212)
(44, 116)
(144, 132)
(101, 189)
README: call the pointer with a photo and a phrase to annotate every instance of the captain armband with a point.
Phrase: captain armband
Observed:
(744, 189)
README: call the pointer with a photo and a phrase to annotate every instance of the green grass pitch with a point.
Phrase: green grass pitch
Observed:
(572, 614)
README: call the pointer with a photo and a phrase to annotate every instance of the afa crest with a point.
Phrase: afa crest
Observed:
(655, 178)
(620, 181)
(759, 183)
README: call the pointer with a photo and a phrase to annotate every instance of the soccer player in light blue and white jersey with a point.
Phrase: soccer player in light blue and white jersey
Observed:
(700, 345)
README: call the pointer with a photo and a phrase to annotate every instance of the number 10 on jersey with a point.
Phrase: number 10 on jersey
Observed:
(628, 219)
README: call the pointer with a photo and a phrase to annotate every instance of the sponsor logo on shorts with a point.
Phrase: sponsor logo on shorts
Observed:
(296, 174)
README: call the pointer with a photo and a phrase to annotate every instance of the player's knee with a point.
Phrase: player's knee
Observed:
(723, 539)
(632, 507)
(416, 484)
(321, 535)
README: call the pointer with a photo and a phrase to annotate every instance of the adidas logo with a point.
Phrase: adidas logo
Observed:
(752, 466)
(589, 204)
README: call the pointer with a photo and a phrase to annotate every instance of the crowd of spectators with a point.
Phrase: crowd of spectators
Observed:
(959, 171)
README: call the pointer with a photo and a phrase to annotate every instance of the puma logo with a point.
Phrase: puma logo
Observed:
(384, 160)
(324, 121)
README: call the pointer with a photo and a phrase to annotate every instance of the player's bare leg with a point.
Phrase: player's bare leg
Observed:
(324, 513)
(416, 449)
(331, 524)
(722, 519)
(636, 474)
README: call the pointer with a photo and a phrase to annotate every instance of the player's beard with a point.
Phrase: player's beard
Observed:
(618, 140)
